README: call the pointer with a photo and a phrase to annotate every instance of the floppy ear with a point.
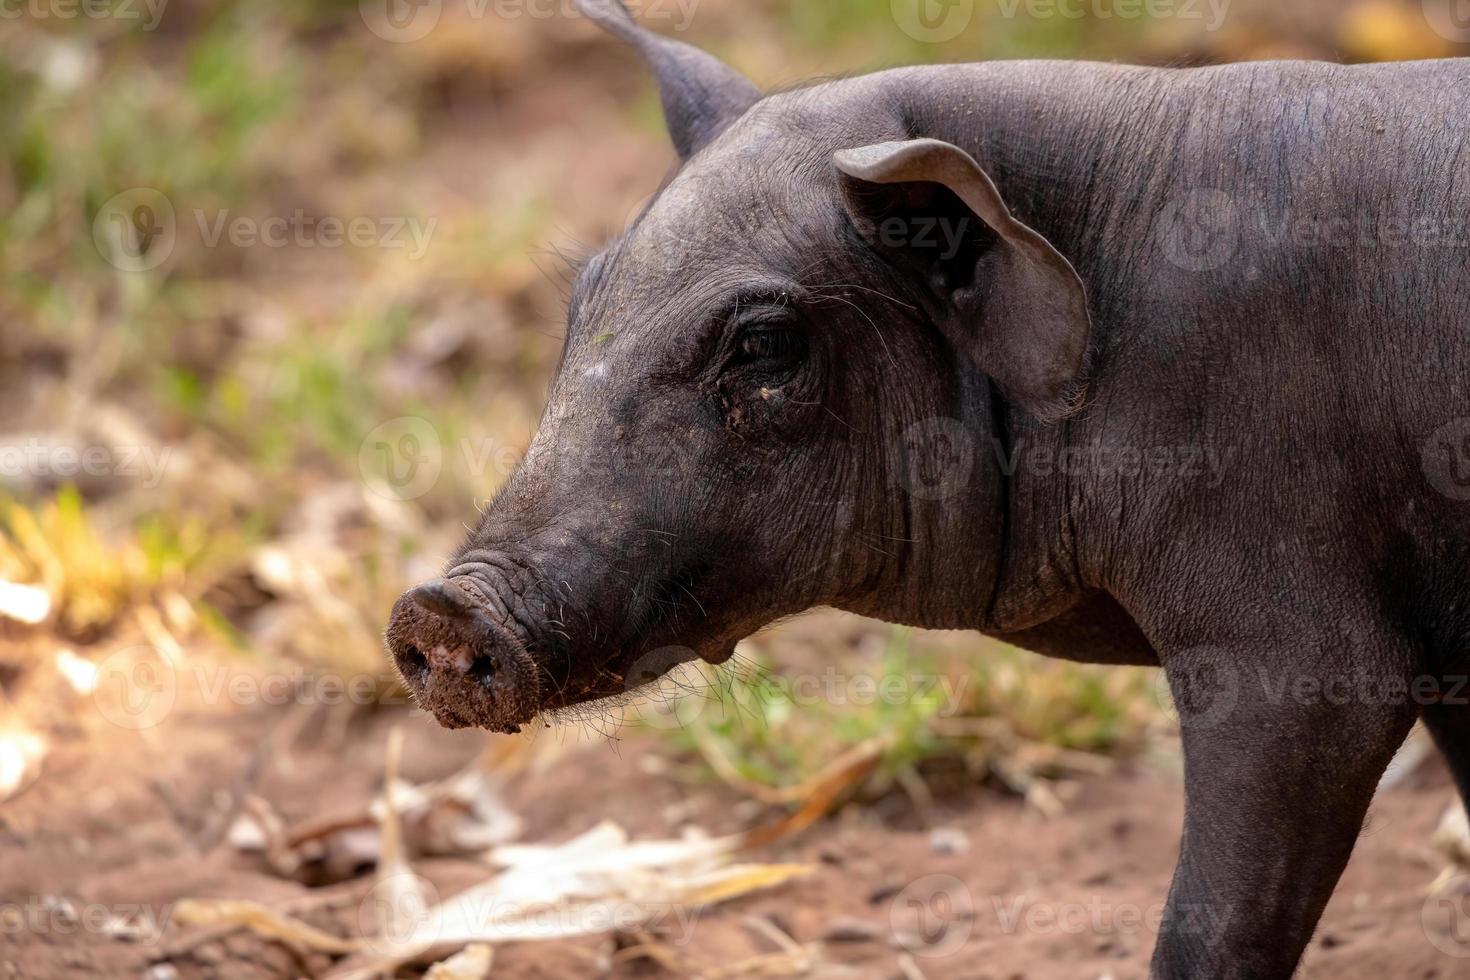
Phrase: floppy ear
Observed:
(701, 95)
(1011, 300)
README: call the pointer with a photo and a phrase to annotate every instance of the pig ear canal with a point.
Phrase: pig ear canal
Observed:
(1007, 298)
(701, 95)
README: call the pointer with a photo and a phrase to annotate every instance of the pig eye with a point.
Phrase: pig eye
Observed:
(779, 344)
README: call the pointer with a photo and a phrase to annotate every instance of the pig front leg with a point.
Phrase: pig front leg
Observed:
(1279, 772)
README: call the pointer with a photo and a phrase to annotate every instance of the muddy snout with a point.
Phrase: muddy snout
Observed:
(462, 665)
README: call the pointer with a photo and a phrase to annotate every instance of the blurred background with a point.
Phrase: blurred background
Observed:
(281, 289)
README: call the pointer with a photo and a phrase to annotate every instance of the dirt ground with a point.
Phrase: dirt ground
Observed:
(978, 886)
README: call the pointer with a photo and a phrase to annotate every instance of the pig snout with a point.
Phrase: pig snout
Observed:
(462, 665)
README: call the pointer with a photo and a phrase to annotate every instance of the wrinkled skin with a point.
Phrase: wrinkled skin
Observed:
(764, 406)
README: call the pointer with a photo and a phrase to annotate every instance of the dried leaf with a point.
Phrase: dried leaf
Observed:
(471, 963)
(597, 882)
(29, 604)
(463, 814)
(1452, 837)
(401, 902)
(78, 672)
(265, 921)
(21, 753)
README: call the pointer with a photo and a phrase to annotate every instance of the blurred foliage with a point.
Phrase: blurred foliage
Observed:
(94, 578)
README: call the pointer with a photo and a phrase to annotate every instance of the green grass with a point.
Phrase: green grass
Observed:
(983, 705)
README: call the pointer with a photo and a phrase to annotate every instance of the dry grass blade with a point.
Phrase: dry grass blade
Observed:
(738, 879)
(260, 919)
(819, 793)
(471, 963)
(910, 967)
(400, 895)
(21, 753)
(29, 604)
(862, 753)
(791, 959)
(649, 948)
(1452, 840)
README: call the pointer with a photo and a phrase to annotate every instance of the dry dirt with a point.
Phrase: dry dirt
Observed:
(122, 820)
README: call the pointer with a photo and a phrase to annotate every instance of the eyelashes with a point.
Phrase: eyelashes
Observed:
(771, 344)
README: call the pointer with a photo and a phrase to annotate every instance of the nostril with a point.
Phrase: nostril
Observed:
(412, 662)
(483, 670)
